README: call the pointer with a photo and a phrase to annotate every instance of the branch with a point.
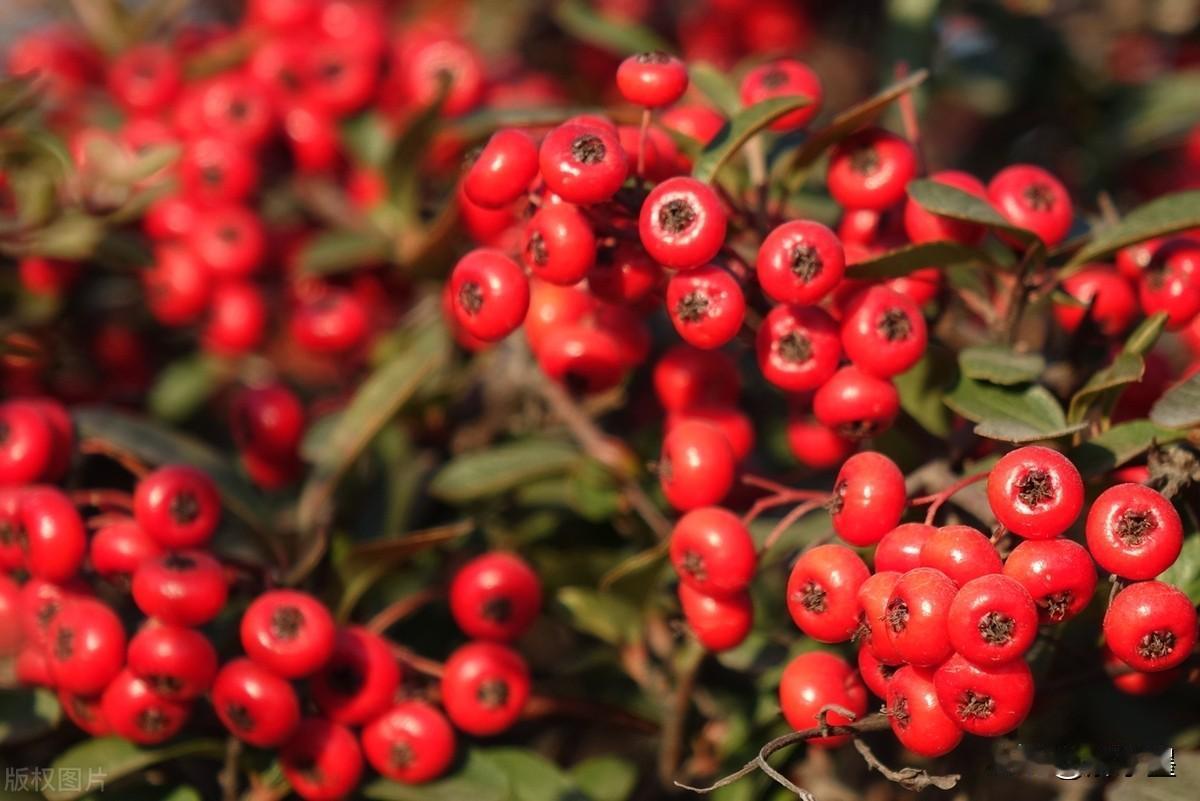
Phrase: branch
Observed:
(937, 499)
(908, 778)
(396, 611)
(674, 726)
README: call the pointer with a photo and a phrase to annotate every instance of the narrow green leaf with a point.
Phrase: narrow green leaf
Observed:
(1000, 365)
(368, 138)
(606, 778)
(332, 252)
(72, 237)
(717, 86)
(949, 201)
(405, 157)
(114, 758)
(480, 474)
(1010, 414)
(905, 260)
(621, 37)
(184, 386)
(1118, 445)
(1146, 334)
(606, 616)
(1179, 406)
(1168, 214)
(26, 714)
(1126, 368)
(737, 132)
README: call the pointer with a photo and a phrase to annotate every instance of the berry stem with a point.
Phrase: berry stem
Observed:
(103, 499)
(421, 664)
(937, 499)
(396, 611)
(98, 447)
(789, 519)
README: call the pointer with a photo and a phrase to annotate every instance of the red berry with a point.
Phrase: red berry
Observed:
(582, 164)
(682, 224)
(868, 498)
(706, 306)
(712, 551)
(229, 240)
(119, 547)
(496, 596)
(856, 404)
(288, 632)
(695, 122)
(491, 294)
(234, 107)
(136, 713)
(917, 718)
(1132, 260)
(900, 548)
(984, 700)
(875, 674)
(145, 78)
(624, 274)
(798, 347)
(961, 552)
(26, 444)
(268, 420)
(925, 226)
(333, 322)
(343, 75)
(1059, 575)
(214, 170)
(424, 61)
(62, 431)
(586, 360)
(86, 712)
(85, 646)
(186, 588)
(360, 679)
(870, 169)
(178, 506)
(822, 592)
(917, 614)
(696, 467)
(1108, 300)
(254, 704)
(178, 286)
(685, 377)
(504, 169)
(178, 663)
(52, 534)
(992, 620)
(1033, 199)
(237, 319)
(321, 761)
(281, 15)
(411, 743)
(873, 597)
(1134, 532)
(1136, 682)
(731, 421)
(484, 688)
(11, 635)
(800, 262)
(652, 79)
(815, 445)
(559, 246)
(783, 78)
(1171, 283)
(813, 681)
(883, 332)
(718, 622)
(1151, 626)
(1035, 492)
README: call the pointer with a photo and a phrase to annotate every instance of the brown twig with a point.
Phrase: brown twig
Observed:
(103, 499)
(228, 777)
(909, 778)
(396, 611)
(421, 664)
(670, 751)
(541, 706)
(98, 447)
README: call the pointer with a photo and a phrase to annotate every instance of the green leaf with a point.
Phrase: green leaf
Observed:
(26, 714)
(478, 778)
(1168, 214)
(183, 386)
(1185, 572)
(1146, 334)
(905, 260)
(922, 386)
(1179, 406)
(621, 37)
(606, 616)
(115, 759)
(1000, 365)
(1161, 108)
(368, 138)
(715, 84)
(1118, 445)
(949, 201)
(405, 158)
(606, 778)
(481, 474)
(72, 237)
(1126, 368)
(737, 131)
(532, 777)
(332, 252)
(1010, 414)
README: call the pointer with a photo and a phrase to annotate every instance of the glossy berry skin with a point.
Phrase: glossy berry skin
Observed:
(856, 404)
(917, 718)
(136, 713)
(652, 80)
(696, 467)
(334, 322)
(491, 294)
(1059, 574)
(873, 597)
(1133, 532)
(411, 743)
(1151, 626)
(624, 274)
(1108, 299)
(815, 445)
(237, 319)
(1171, 283)
(1135, 682)
(559, 245)
(870, 169)
(584, 359)
(883, 332)
(178, 663)
(85, 712)
(145, 78)
(185, 588)
(288, 632)
(917, 614)
(322, 760)
(706, 306)
(783, 78)
(484, 688)
(900, 548)
(992, 620)
(822, 592)
(504, 169)
(582, 164)
(731, 421)
(85, 646)
(682, 224)
(800, 261)
(39, 602)
(496, 596)
(254, 704)
(868, 498)
(925, 226)
(814, 680)
(551, 309)
(26, 444)
(360, 679)
(1035, 492)
(719, 623)
(1031, 198)
(268, 420)
(54, 537)
(798, 347)
(11, 635)
(178, 506)
(984, 700)
(685, 376)
(713, 552)
(119, 547)
(875, 674)
(178, 286)
(230, 240)
(961, 552)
